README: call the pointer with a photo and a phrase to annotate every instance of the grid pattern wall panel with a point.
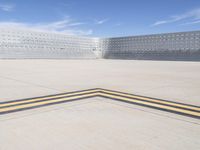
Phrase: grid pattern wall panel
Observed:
(31, 44)
(171, 46)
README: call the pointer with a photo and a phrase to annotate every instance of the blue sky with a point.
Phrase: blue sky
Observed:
(102, 18)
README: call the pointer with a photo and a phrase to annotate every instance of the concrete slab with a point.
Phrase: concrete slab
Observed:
(97, 123)
(176, 81)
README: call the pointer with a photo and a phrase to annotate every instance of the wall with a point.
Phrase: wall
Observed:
(16, 44)
(171, 46)
(30, 44)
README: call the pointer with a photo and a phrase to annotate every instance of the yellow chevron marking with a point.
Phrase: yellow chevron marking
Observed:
(140, 100)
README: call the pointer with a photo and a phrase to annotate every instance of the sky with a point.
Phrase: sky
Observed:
(102, 18)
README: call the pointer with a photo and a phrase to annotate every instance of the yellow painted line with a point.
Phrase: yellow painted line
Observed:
(53, 99)
(160, 106)
(151, 100)
(45, 98)
(24, 106)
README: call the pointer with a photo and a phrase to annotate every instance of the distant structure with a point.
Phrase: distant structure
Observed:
(170, 46)
(22, 44)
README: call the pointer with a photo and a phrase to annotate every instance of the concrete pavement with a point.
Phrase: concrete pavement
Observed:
(99, 123)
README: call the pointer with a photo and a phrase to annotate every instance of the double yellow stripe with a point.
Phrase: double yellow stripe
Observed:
(159, 106)
(151, 100)
(12, 106)
(46, 98)
(47, 102)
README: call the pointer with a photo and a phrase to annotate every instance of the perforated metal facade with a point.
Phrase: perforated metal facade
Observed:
(30, 44)
(171, 46)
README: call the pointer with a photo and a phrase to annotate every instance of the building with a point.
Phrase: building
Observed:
(33, 44)
(15, 43)
(170, 46)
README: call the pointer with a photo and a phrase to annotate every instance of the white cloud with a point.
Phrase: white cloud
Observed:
(66, 26)
(160, 22)
(76, 24)
(101, 21)
(78, 32)
(191, 23)
(7, 7)
(190, 15)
